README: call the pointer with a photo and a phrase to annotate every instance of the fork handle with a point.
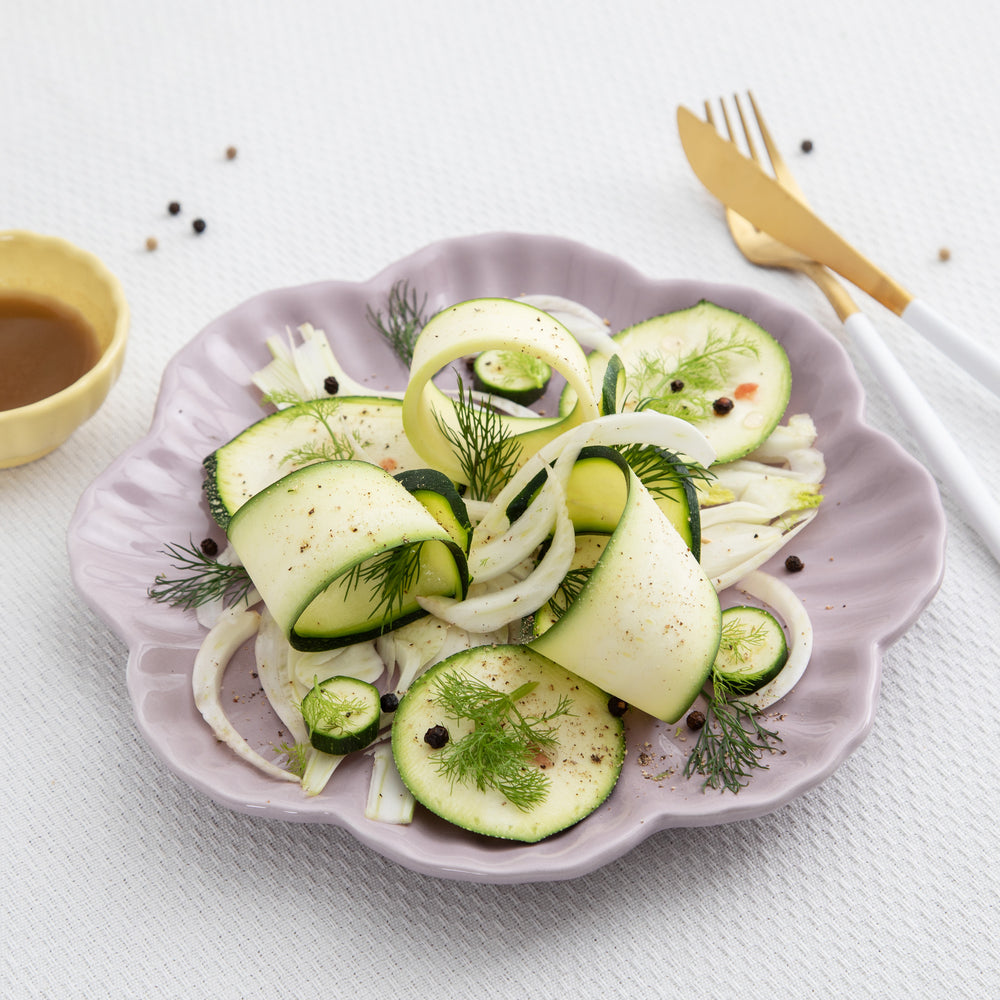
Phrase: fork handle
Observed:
(943, 455)
(956, 343)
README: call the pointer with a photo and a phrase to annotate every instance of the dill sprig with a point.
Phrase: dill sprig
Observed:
(499, 750)
(203, 579)
(661, 471)
(390, 576)
(329, 711)
(699, 373)
(295, 755)
(741, 640)
(731, 743)
(569, 590)
(483, 446)
(336, 446)
(403, 321)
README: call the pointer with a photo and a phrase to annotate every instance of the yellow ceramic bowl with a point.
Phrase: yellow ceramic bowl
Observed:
(47, 265)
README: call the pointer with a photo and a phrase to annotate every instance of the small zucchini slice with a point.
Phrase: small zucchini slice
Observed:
(577, 771)
(440, 498)
(511, 374)
(341, 714)
(752, 649)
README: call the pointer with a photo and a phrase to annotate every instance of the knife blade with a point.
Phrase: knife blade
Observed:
(740, 184)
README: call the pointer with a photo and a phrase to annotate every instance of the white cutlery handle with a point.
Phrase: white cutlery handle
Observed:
(943, 455)
(956, 343)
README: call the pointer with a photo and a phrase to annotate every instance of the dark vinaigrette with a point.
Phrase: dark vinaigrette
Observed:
(45, 346)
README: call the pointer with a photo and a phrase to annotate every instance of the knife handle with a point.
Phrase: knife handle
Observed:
(958, 345)
(943, 455)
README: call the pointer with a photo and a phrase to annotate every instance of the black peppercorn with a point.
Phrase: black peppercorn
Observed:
(722, 405)
(695, 720)
(210, 547)
(389, 702)
(807, 145)
(436, 737)
(617, 707)
(794, 564)
(331, 385)
(676, 385)
(198, 225)
(174, 207)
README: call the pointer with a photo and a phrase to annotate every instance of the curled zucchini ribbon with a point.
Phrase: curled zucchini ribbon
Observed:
(479, 325)
(645, 626)
(341, 551)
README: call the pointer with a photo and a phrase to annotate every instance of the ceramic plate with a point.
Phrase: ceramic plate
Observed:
(873, 559)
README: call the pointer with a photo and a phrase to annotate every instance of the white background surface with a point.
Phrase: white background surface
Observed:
(365, 132)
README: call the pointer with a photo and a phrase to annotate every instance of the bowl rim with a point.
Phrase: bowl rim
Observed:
(97, 374)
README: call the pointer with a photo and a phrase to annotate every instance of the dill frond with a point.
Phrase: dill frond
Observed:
(202, 579)
(498, 752)
(403, 321)
(484, 448)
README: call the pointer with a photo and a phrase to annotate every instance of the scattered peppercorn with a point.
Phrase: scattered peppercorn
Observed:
(436, 737)
(198, 225)
(617, 707)
(722, 405)
(676, 385)
(944, 254)
(151, 243)
(794, 564)
(174, 208)
(389, 702)
(210, 547)
(807, 145)
(231, 153)
(331, 385)
(695, 720)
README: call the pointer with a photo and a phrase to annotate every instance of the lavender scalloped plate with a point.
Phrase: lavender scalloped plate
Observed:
(881, 520)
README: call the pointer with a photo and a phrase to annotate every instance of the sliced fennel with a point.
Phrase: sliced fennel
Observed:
(234, 628)
(389, 800)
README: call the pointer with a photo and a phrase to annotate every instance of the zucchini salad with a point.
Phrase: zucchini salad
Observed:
(476, 595)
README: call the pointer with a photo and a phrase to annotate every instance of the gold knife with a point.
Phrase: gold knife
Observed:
(743, 186)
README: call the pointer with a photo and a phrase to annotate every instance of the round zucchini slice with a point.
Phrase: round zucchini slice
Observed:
(708, 365)
(752, 649)
(576, 771)
(341, 714)
(512, 375)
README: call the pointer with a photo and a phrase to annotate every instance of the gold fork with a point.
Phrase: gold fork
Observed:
(757, 246)
(942, 452)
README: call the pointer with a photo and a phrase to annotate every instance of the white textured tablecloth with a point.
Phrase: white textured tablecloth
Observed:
(364, 132)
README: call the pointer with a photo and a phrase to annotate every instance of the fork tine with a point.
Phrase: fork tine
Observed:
(746, 131)
(781, 171)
